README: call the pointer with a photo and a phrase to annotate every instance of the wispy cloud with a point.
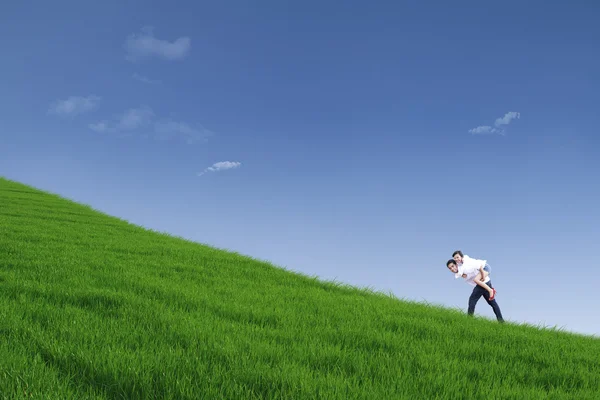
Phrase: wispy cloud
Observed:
(74, 105)
(144, 79)
(130, 120)
(145, 45)
(168, 128)
(135, 118)
(99, 127)
(483, 129)
(143, 120)
(509, 116)
(220, 166)
(500, 122)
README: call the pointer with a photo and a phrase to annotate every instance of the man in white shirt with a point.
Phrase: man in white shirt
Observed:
(476, 273)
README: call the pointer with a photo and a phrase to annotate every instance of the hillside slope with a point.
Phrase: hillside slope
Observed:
(94, 307)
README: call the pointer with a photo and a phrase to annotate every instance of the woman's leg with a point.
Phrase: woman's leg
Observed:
(479, 281)
(487, 268)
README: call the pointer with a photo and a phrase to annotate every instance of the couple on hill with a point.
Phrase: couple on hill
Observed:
(476, 273)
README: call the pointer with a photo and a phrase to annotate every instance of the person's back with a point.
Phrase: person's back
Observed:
(465, 262)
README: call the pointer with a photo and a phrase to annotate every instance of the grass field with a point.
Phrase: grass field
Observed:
(94, 307)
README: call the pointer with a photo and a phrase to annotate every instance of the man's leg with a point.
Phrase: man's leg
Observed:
(493, 304)
(477, 292)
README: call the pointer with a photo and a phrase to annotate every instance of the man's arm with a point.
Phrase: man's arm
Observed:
(459, 273)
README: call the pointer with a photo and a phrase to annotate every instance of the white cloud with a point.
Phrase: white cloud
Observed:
(130, 120)
(167, 129)
(145, 45)
(74, 105)
(486, 129)
(99, 127)
(143, 120)
(482, 129)
(135, 118)
(509, 116)
(144, 79)
(220, 166)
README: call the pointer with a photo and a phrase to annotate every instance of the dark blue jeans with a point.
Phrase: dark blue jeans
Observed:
(478, 291)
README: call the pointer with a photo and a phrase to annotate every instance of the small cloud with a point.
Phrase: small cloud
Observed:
(135, 118)
(99, 127)
(144, 119)
(144, 79)
(167, 129)
(482, 130)
(145, 45)
(220, 166)
(509, 116)
(74, 105)
(130, 120)
(486, 129)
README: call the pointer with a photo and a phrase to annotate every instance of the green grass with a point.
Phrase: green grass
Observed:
(94, 307)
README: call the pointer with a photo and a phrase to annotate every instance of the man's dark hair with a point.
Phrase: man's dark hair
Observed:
(457, 252)
(451, 261)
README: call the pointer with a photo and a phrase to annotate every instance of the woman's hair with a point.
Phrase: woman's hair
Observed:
(457, 252)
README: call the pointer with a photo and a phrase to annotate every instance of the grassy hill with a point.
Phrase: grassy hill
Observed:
(94, 307)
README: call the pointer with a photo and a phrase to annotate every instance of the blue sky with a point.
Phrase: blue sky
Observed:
(360, 142)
